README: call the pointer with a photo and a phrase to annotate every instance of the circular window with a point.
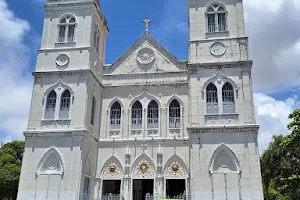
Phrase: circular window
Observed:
(145, 56)
(62, 60)
(52, 164)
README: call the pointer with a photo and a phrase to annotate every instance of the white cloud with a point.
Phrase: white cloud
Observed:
(273, 32)
(272, 116)
(15, 80)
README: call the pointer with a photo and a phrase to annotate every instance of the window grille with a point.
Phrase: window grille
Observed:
(212, 99)
(93, 110)
(153, 115)
(211, 22)
(50, 105)
(66, 27)
(115, 116)
(174, 114)
(216, 18)
(136, 116)
(228, 99)
(65, 105)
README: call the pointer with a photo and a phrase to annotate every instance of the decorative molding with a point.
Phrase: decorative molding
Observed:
(218, 119)
(143, 167)
(145, 79)
(55, 124)
(196, 130)
(224, 160)
(152, 42)
(175, 167)
(51, 163)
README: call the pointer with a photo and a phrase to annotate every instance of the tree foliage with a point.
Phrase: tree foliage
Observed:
(280, 164)
(11, 155)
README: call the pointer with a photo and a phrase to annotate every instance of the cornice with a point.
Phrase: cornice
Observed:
(42, 50)
(223, 128)
(54, 4)
(218, 39)
(225, 64)
(145, 79)
(86, 72)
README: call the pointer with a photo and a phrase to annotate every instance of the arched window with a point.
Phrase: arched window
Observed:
(174, 114)
(228, 98)
(93, 110)
(136, 116)
(65, 105)
(51, 105)
(152, 115)
(216, 18)
(212, 99)
(66, 29)
(115, 116)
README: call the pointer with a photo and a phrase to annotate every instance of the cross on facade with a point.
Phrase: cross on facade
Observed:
(147, 21)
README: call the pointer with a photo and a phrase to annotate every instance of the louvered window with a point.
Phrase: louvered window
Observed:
(228, 98)
(115, 116)
(153, 115)
(136, 116)
(66, 29)
(65, 105)
(51, 105)
(174, 114)
(212, 99)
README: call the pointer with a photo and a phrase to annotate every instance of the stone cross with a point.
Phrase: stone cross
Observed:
(147, 21)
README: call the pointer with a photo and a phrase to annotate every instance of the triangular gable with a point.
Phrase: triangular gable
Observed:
(145, 41)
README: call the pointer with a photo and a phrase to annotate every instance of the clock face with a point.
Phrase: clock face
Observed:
(218, 49)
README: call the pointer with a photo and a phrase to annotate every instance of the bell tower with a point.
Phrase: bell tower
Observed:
(223, 131)
(64, 123)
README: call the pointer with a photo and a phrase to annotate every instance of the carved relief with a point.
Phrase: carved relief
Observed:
(145, 56)
(175, 170)
(112, 168)
(221, 119)
(55, 124)
(144, 170)
(224, 161)
(50, 163)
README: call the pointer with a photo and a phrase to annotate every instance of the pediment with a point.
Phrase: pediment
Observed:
(146, 55)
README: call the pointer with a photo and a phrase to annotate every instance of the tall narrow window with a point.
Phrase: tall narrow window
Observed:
(96, 39)
(65, 105)
(174, 114)
(216, 18)
(228, 98)
(212, 99)
(93, 110)
(153, 115)
(50, 105)
(86, 188)
(136, 116)
(66, 29)
(115, 116)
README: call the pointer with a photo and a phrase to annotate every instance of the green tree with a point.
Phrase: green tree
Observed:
(280, 164)
(11, 155)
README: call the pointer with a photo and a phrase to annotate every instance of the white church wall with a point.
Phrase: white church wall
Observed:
(128, 95)
(75, 82)
(243, 96)
(38, 186)
(197, 19)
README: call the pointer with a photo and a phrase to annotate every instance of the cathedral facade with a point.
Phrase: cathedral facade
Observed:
(149, 126)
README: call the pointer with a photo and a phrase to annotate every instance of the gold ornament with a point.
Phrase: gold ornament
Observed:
(112, 168)
(175, 167)
(144, 166)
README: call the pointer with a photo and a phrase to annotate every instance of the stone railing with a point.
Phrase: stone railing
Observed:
(218, 119)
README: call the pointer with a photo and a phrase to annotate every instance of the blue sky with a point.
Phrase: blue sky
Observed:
(274, 48)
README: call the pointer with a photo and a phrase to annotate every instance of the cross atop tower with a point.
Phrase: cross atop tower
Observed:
(147, 21)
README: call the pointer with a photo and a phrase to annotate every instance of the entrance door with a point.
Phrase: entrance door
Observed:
(111, 187)
(141, 187)
(175, 188)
